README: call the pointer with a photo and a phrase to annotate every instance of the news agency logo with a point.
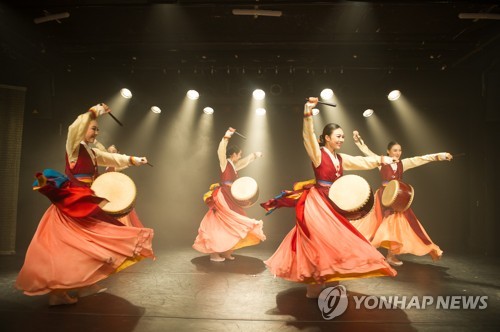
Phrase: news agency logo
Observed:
(333, 301)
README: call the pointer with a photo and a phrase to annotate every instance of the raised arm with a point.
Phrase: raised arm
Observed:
(310, 141)
(221, 150)
(361, 144)
(77, 130)
(409, 163)
(221, 153)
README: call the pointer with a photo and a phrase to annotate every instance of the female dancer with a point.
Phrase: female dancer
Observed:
(225, 226)
(398, 232)
(324, 247)
(131, 218)
(76, 243)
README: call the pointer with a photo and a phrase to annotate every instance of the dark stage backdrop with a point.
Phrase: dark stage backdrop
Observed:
(451, 112)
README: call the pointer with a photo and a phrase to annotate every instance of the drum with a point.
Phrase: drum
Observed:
(245, 191)
(119, 190)
(397, 195)
(352, 196)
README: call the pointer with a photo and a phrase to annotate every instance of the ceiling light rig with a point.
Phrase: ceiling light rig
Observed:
(257, 12)
(51, 17)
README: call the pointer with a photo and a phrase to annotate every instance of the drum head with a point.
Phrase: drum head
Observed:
(390, 193)
(244, 188)
(397, 195)
(245, 191)
(350, 192)
(118, 189)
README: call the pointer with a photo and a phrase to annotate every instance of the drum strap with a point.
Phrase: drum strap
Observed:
(412, 220)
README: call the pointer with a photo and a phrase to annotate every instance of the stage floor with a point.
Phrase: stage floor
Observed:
(183, 291)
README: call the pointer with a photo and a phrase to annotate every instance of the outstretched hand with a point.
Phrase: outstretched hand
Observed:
(312, 101)
(447, 156)
(140, 160)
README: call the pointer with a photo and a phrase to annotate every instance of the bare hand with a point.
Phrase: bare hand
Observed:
(312, 101)
(387, 160)
(355, 136)
(229, 132)
(105, 108)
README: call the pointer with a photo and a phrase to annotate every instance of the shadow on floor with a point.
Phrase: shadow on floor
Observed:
(113, 312)
(308, 316)
(240, 265)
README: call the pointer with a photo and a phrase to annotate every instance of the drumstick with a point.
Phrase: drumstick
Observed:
(324, 103)
(237, 133)
(148, 163)
(328, 104)
(118, 121)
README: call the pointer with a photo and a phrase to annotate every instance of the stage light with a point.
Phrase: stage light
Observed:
(394, 95)
(260, 111)
(155, 109)
(259, 94)
(315, 111)
(193, 94)
(208, 110)
(326, 94)
(126, 93)
(369, 112)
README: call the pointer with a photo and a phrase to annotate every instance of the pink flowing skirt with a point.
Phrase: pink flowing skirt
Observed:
(369, 224)
(396, 234)
(131, 220)
(224, 229)
(69, 253)
(327, 250)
